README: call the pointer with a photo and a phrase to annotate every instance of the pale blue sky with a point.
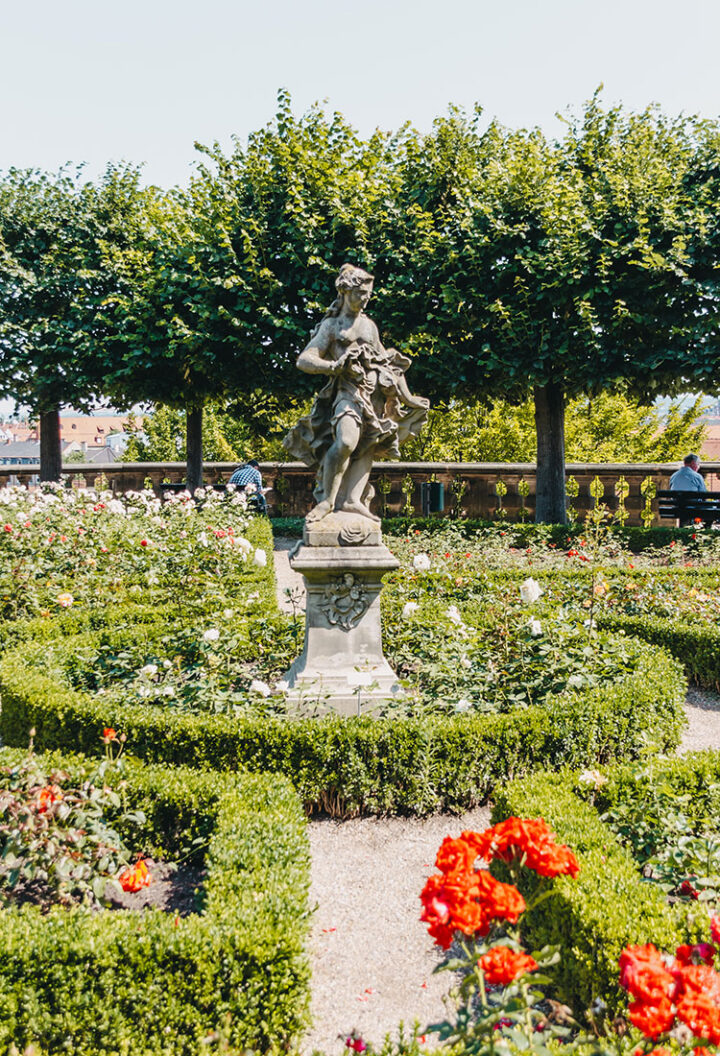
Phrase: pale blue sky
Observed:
(140, 80)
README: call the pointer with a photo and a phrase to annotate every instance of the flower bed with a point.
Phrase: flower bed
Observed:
(501, 677)
(101, 983)
(610, 906)
(78, 555)
(347, 766)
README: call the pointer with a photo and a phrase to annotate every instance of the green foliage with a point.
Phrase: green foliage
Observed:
(99, 983)
(364, 765)
(56, 841)
(681, 858)
(59, 238)
(252, 428)
(609, 427)
(696, 645)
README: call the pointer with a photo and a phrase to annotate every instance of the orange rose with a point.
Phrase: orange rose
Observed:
(501, 965)
(135, 877)
(455, 856)
(652, 1018)
(698, 1002)
(48, 796)
(645, 975)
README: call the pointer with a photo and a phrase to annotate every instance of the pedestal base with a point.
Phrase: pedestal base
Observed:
(342, 668)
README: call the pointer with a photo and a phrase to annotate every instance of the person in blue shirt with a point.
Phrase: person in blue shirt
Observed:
(687, 477)
(248, 476)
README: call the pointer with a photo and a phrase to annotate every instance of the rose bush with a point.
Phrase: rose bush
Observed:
(58, 837)
(502, 996)
(81, 550)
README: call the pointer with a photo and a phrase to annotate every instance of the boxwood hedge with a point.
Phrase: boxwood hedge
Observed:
(118, 982)
(363, 765)
(696, 645)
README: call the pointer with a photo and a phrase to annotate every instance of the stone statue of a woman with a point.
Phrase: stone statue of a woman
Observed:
(363, 412)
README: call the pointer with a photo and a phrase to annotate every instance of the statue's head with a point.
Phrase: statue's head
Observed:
(352, 278)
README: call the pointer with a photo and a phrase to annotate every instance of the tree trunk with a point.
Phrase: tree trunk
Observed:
(50, 445)
(193, 446)
(550, 479)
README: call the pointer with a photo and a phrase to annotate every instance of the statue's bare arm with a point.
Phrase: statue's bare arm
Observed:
(315, 358)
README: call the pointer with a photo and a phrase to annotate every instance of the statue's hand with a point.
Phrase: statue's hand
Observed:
(347, 364)
(339, 365)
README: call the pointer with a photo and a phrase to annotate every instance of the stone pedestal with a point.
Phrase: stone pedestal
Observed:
(342, 668)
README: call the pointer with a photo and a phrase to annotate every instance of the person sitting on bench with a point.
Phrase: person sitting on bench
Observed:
(687, 477)
(248, 476)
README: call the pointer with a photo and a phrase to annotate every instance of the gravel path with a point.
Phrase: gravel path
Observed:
(702, 707)
(372, 959)
(285, 578)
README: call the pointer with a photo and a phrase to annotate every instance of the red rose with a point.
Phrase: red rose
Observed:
(501, 965)
(653, 1018)
(702, 953)
(455, 855)
(698, 1000)
(645, 975)
(135, 877)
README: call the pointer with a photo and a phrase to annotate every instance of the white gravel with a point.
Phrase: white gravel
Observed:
(372, 959)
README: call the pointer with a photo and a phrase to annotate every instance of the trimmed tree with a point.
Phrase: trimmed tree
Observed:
(553, 270)
(59, 236)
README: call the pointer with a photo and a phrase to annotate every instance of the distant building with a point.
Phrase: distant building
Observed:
(27, 453)
(94, 429)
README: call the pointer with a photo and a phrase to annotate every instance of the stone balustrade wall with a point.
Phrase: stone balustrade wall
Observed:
(477, 489)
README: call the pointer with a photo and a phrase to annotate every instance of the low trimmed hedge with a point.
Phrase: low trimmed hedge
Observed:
(347, 766)
(696, 645)
(608, 906)
(121, 982)
(516, 533)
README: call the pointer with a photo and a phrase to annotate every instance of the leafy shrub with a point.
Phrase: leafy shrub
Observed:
(601, 912)
(695, 645)
(57, 843)
(98, 984)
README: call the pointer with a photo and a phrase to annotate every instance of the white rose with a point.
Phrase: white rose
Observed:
(211, 635)
(421, 562)
(260, 558)
(463, 705)
(535, 627)
(409, 608)
(242, 544)
(149, 670)
(530, 591)
(228, 614)
(256, 686)
(167, 665)
(592, 777)
(453, 613)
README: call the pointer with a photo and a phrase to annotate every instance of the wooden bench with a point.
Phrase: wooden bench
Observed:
(690, 506)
